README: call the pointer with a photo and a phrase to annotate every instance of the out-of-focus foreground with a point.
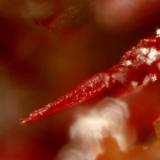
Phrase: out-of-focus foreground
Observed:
(46, 47)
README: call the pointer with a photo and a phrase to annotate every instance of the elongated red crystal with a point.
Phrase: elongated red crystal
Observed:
(137, 67)
(81, 93)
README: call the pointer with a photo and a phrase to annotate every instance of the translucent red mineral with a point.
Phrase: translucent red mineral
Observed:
(137, 67)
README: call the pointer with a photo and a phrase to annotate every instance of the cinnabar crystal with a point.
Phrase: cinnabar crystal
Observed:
(137, 67)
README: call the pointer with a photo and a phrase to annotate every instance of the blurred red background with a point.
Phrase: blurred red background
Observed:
(48, 46)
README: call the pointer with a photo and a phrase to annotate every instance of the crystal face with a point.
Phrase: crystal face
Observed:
(137, 67)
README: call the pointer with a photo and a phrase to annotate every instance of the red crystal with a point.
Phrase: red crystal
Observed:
(137, 67)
